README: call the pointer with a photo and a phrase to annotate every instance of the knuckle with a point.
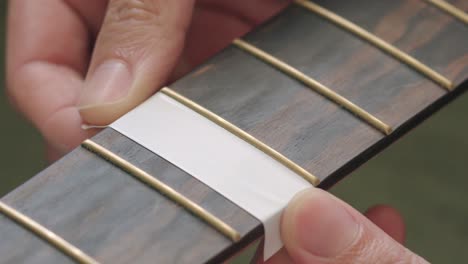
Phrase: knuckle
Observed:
(138, 27)
(134, 11)
(142, 30)
(129, 27)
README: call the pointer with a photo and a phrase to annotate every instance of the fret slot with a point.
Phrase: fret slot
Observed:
(315, 85)
(378, 42)
(312, 179)
(47, 235)
(450, 9)
(166, 190)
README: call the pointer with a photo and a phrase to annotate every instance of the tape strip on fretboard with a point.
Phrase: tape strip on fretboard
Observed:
(242, 135)
(227, 163)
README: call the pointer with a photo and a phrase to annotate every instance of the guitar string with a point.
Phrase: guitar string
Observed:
(378, 42)
(312, 179)
(450, 9)
(47, 235)
(315, 85)
(164, 189)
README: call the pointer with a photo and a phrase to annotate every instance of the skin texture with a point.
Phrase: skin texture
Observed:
(51, 67)
(75, 62)
(319, 228)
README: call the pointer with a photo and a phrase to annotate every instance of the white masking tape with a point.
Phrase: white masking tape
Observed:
(237, 170)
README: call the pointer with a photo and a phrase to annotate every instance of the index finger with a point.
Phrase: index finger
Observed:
(47, 56)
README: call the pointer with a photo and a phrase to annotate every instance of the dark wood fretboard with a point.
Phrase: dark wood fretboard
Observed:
(117, 219)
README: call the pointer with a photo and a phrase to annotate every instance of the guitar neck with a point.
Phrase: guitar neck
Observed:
(115, 218)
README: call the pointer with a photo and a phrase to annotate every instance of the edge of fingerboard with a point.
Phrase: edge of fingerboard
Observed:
(402, 130)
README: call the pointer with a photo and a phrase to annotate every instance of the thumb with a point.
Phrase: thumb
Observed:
(136, 49)
(319, 228)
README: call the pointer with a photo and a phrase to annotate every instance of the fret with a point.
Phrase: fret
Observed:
(450, 9)
(47, 235)
(316, 86)
(378, 42)
(413, 26)
(172, 194)
(243, 135)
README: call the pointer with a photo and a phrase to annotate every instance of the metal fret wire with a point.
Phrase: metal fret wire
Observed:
(378, 42)
(315, 85)
(166, 190)
(450, 9)
(49, 236)
(242, 135)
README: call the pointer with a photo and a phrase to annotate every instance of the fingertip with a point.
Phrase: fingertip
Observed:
(133, 56)
(320, 228)
(317, 225)
(104, 114)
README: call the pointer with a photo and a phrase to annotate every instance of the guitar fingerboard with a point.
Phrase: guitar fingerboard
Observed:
(116, 218)
(395, 61)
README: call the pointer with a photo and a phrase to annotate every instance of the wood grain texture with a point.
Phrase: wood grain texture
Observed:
(306, 127)
(117, 219)
(114, 217)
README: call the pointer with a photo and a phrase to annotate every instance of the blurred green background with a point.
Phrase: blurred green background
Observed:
(424, 175)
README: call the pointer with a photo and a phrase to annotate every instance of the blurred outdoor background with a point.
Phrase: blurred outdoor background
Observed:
(424, 175)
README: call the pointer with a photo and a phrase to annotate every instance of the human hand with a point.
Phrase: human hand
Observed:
(318, 228)
(71, 62)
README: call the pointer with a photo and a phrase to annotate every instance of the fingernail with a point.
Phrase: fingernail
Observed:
(321, 225)
(110, 82)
